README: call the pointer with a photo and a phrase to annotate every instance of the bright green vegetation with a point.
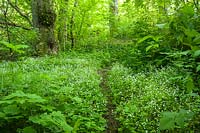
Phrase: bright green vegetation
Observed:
(78, 66)
(52, 94)
(63, 94)
(142, 98)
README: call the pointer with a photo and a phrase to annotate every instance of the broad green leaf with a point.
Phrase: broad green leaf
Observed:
(2, 115)
(76, 126)
(21, 46)
(15, 48)
(51, 121)
(197, 40)
(8, 45)
(152, 47)
(183, 116)
(191, 32)
(145, 38)
(29, 130)
(32, 98)
(167, 121)
(11, 110)
(189, 84)
(188, 10)
(77, 99)
(198, 68)
(196, 53)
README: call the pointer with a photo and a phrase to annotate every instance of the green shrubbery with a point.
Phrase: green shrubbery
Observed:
(142, 98)
(52, 94)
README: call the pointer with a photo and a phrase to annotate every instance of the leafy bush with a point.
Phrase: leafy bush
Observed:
(52, 94)
(141, 98)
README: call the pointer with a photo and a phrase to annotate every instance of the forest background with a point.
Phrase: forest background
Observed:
(149, 48)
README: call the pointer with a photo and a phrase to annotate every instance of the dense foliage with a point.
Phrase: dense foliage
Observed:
(67, 64)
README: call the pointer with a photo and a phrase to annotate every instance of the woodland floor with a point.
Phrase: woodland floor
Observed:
(112, 123)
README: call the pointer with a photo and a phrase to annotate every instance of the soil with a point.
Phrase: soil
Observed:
(112, 123)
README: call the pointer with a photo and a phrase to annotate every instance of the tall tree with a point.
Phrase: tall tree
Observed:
(44, 16)
(113, 16)
(72, 25)
(62, 24)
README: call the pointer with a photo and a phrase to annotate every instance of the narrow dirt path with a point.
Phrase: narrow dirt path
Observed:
(112, 123)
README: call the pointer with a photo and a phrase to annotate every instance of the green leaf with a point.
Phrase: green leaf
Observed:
(2, 115)
(15, 48)
(182, 117)
(184, 52)
(162, 26)
(167, 121)
(29, 130)
(189, 84)
(22, 97)
(191, 32)
(196, 53)
(145, 38)
(152, 47)
(77, 99)
(76, 126)
(188, 10)
(198, 68)
(52, 121)
(197, 40)
(11, 110)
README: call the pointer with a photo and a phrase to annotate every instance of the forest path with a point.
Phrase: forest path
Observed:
(112, 123)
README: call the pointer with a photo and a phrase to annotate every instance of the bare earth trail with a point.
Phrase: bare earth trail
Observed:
(112, 123)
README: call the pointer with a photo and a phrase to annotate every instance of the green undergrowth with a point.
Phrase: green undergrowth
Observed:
(153, 101)
(62, 93)
(52, 94)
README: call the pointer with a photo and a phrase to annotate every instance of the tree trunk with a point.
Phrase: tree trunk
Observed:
(113, 16)
(62, 25)
(72, 25)
(43, 17)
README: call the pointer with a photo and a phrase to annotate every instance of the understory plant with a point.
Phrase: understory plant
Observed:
(52, 94)
(142, 100)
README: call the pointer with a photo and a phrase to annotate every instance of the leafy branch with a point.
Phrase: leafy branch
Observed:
(20, 12)
(13, 25)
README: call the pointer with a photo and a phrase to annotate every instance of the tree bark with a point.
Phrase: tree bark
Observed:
(113, 16)
(43, 17)
(62, 25)
(72, 25)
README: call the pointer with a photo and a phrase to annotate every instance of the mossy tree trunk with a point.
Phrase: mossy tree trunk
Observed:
(44, 17)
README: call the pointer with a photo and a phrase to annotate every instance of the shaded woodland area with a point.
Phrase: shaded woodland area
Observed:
(78, 66)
